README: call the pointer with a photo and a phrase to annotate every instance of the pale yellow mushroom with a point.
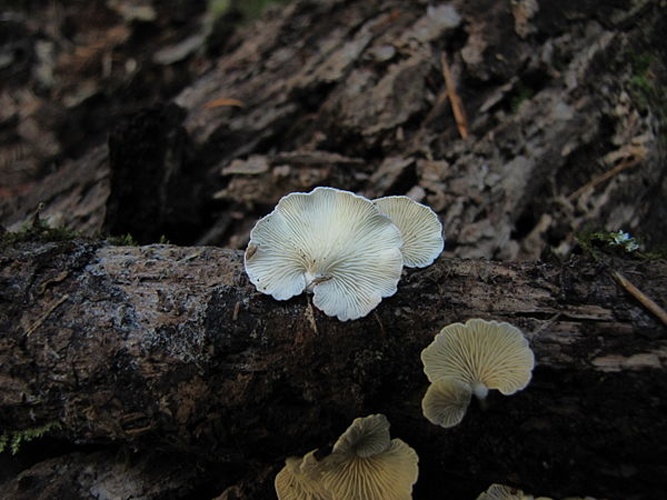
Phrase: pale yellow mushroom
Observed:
(301, 479)
(366, 437)
(366, 464)
(446, 401)
(484, 354)
(423, 238)
(503, 492)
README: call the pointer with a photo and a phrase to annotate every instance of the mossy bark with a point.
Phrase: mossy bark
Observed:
(169, 351)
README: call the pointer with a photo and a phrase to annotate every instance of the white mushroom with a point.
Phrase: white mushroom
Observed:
(484, 354)
(331, 242)
(423, 239)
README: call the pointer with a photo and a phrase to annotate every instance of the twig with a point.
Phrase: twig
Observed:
(310, 315)
(653, 308)
(223, 101)
(46, 314)
(454, 99)
(437, 107)
(546, 325)
(629, 163)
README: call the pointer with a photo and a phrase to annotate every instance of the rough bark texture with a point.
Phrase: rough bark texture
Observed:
(170, 377)
(565, 112)
(169, 352)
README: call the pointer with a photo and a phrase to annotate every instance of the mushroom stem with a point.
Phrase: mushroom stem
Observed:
(480, 391)
(312, 280)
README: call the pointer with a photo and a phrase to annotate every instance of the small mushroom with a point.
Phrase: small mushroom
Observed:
(423, 239)
(446, 401)
(484, 354)
(366, 464)
(503, 492)
(300, 479)
(332, 243)
(365, 437)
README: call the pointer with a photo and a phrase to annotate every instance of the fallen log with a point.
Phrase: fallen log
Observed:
(171, 349)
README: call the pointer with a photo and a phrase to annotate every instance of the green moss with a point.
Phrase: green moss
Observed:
(12, 440)
(249, 9)
(38, 231)
(599, 244)
(218, 7)
(647, 89)
(520, 94)
(641, 84)
(253, 9)
(606, 240)
(126, 240)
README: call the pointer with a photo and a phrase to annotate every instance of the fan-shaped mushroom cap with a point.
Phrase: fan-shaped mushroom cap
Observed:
(331, 242)
(503, 492)
(485, 354)
(366, 465)
(446, 401)
(422, 232)
(365, 437)
(300, 479)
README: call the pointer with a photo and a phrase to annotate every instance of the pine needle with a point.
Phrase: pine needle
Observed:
(454, 98)
(649, 304)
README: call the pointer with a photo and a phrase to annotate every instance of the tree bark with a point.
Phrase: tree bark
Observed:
(161, 372)
(163, 349)
(564, 105)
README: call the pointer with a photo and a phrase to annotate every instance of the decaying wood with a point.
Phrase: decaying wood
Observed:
(163, 374)
(551, 96)
(170, 349)
(104, 474)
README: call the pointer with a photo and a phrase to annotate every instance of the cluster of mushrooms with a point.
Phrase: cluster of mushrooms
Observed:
(463, 360)
(349, 252)
(467, 359)
(365, 463)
